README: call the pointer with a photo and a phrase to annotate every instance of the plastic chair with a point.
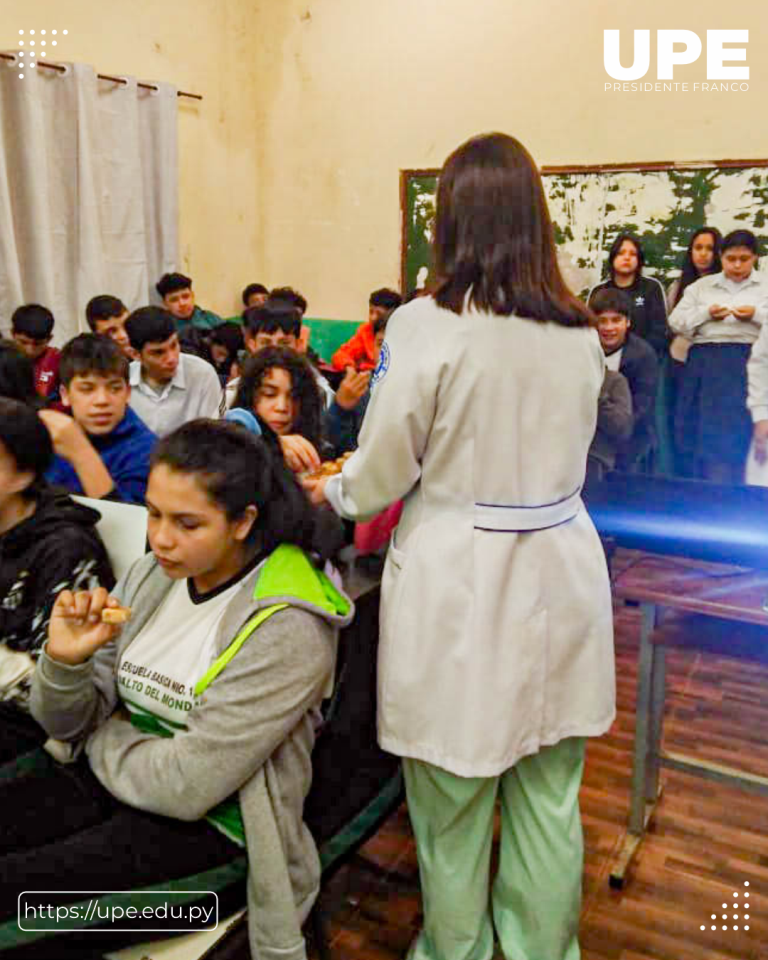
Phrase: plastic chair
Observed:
(123, 528)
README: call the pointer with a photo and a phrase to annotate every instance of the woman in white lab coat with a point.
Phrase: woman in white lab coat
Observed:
(496, 654)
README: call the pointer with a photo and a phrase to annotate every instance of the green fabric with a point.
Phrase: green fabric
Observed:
(290, 573)
(536, 896)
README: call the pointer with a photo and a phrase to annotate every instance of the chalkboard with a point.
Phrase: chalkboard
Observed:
(662, 203)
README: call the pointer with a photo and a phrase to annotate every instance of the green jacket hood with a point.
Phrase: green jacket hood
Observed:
(289, 576)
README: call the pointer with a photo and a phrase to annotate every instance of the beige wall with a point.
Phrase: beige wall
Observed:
(290, 165)
(362, 89)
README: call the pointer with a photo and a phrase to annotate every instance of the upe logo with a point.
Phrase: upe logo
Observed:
(667, 56)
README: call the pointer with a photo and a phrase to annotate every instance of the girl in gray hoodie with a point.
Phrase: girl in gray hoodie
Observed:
(197, 718)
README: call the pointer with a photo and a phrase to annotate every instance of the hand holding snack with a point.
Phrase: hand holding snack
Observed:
(298, 453)
(77, 628)
(717, 312)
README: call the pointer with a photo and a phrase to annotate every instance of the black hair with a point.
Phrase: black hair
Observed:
(33, 321)
(494, 238)
(17, 375)
(289, 295)
(25, 437)
(103, 307)
(380, 323)
(230, 336)
(741, 238)
(614, 252)
(689, 274)
(304, 389)
(171, 282)
(272, 316)
(237, 470)
(611, 300)
(389, 299)
(251, 289)
(91, 353)
(149, 325)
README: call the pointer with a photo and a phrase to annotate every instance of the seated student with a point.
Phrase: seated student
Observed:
(344, 417)
(17, 375)
(648, 311)
(168, 387)
(213, 756)
(179, 301)
(614, 427)
(277, 386)
(277, 324)
(254, 295)
(722, 314)
(103, 449)
(225, 345)
(107, 315)
(636, 360)
(32, 329)
(48, 543)
(358, 352)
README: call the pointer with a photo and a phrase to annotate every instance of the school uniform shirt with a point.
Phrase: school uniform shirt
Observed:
(691, 316)
(496, 622)
(124, 452)
(193, 392)
(648, 310)
(47, 373)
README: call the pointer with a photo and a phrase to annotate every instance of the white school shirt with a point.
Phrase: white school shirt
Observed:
(194, 391)
(493, 642)
(691, 316)
(158, 671)
(613, 360)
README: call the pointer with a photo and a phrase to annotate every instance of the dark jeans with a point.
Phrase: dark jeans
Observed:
(60, 829)
(19, 733)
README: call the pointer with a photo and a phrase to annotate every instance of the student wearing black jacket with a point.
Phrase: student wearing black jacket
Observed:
(635, 359)
(647, 305)
(48, 543)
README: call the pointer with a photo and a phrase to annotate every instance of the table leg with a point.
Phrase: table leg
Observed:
(649, 714)
(653, 755)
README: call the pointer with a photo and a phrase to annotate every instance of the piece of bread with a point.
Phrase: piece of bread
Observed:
(116, 615)
(331, 467)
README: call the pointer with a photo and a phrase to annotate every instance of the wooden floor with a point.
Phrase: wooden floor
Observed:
(708, 840)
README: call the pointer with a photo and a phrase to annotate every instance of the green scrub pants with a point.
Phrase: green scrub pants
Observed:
(536, 897)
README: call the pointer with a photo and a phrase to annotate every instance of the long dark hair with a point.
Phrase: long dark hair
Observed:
(304, 389)
(494, 237)
(689, 272)
(237, 470)
(616, 247)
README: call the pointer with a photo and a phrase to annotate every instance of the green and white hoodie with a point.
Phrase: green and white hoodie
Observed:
(248, 736)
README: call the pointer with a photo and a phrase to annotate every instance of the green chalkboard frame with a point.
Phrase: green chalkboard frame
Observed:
(691, 183)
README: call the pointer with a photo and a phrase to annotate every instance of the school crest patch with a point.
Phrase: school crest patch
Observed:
(382, 366)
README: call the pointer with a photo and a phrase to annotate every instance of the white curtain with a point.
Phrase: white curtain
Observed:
(88, 191)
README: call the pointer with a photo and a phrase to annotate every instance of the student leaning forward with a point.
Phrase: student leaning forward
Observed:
(198, 718)
(496, 655)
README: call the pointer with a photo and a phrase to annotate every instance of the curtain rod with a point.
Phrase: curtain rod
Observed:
(102, 76)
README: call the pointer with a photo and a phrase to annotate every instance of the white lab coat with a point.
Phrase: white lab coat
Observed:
(493, 644)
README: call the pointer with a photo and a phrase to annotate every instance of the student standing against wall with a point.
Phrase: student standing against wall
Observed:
(496, 656)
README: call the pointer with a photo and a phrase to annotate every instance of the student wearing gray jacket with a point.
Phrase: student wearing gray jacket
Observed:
(197, 718)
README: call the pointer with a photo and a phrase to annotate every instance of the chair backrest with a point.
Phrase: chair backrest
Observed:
(123, 529)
